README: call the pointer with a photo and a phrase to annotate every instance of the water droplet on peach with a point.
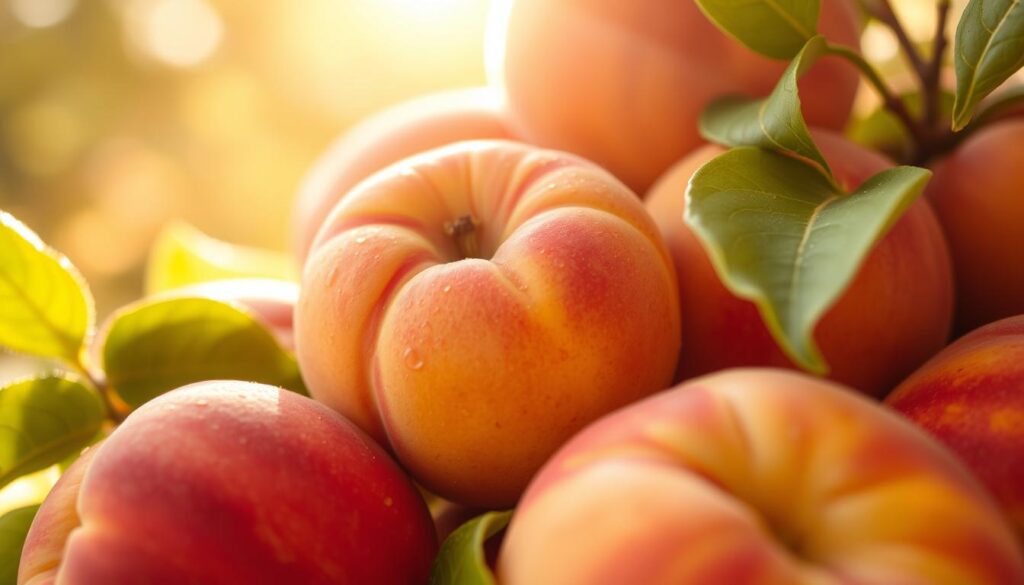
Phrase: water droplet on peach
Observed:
(447, 288)
(412, 359)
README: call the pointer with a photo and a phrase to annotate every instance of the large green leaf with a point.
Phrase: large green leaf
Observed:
(781, 235)
(775, 122)
(158, 345)
(182, 255)
(45, 305)
(989, 48)
(44, 420)
(14, 527)
(774, 28)
(461, 560)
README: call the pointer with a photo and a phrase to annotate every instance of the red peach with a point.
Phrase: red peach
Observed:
(971, 397)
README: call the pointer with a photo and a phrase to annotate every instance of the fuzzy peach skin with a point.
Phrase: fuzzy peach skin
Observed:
(44, 546)
(232, 482)
(757, 476)
(623, 83)
(387, 137)
(476, 355)
(895, 314)
(971, 397)
(978, 194)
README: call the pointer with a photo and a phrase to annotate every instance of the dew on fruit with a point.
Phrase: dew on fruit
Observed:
(361, 240)
(412, 359)
(447, 288)
(201, 403)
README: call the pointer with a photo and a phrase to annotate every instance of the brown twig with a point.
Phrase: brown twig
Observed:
(883, 12)
(932, 80)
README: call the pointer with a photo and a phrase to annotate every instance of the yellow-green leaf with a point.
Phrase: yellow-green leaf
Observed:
(182, 255)
(44, 420)
(461, 560)
(161, 344)
(45, 306)
(14, 527)
(781, 235)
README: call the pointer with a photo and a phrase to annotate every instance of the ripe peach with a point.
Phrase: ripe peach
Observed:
(978, 195)
(231, 482)
(623, 83)
(895, 314)
(476, 305)
(971, 396)
(757, 476)
(393, 134)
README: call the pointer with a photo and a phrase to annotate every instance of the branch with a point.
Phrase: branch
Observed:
(883, 12)
(932, 86)
(891, 101)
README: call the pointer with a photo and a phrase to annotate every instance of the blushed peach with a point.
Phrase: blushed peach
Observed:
(387, 137)
(757, 476)
(623, 83)
(971, 397)
(895, 314)
(231, 482)
(476, 305)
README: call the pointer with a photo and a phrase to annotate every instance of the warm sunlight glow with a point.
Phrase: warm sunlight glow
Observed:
(182, 33)
(41, 13)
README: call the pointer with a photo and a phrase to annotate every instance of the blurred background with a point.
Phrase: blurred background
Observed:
(118, 115)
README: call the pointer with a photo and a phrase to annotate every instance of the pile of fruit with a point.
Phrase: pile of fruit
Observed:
(640, 312)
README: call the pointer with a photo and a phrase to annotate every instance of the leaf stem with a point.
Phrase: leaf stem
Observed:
(98, 380)
(892, 102)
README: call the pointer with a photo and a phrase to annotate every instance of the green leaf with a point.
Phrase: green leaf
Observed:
(774, 28)
(782, 236)
(182, 255)
(989, 48)
(44, 420)
(1005, 104)
(14, 527)
(45, 306)
(158, 345)
(461, 560)
(775, 122)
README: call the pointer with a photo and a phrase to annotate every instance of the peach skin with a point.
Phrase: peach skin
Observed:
(896, 313)
(623, 83)
(476, 305)
(971, 397)
(978, 194)
(232, 482)
(387, 137)
(763, 477)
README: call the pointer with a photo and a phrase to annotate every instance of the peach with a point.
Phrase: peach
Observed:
(476, 305)
(232, 482)
(757, 476)
(978, 194)
(389, 136)
(971, 396)
(895, 314)
(624, 83)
